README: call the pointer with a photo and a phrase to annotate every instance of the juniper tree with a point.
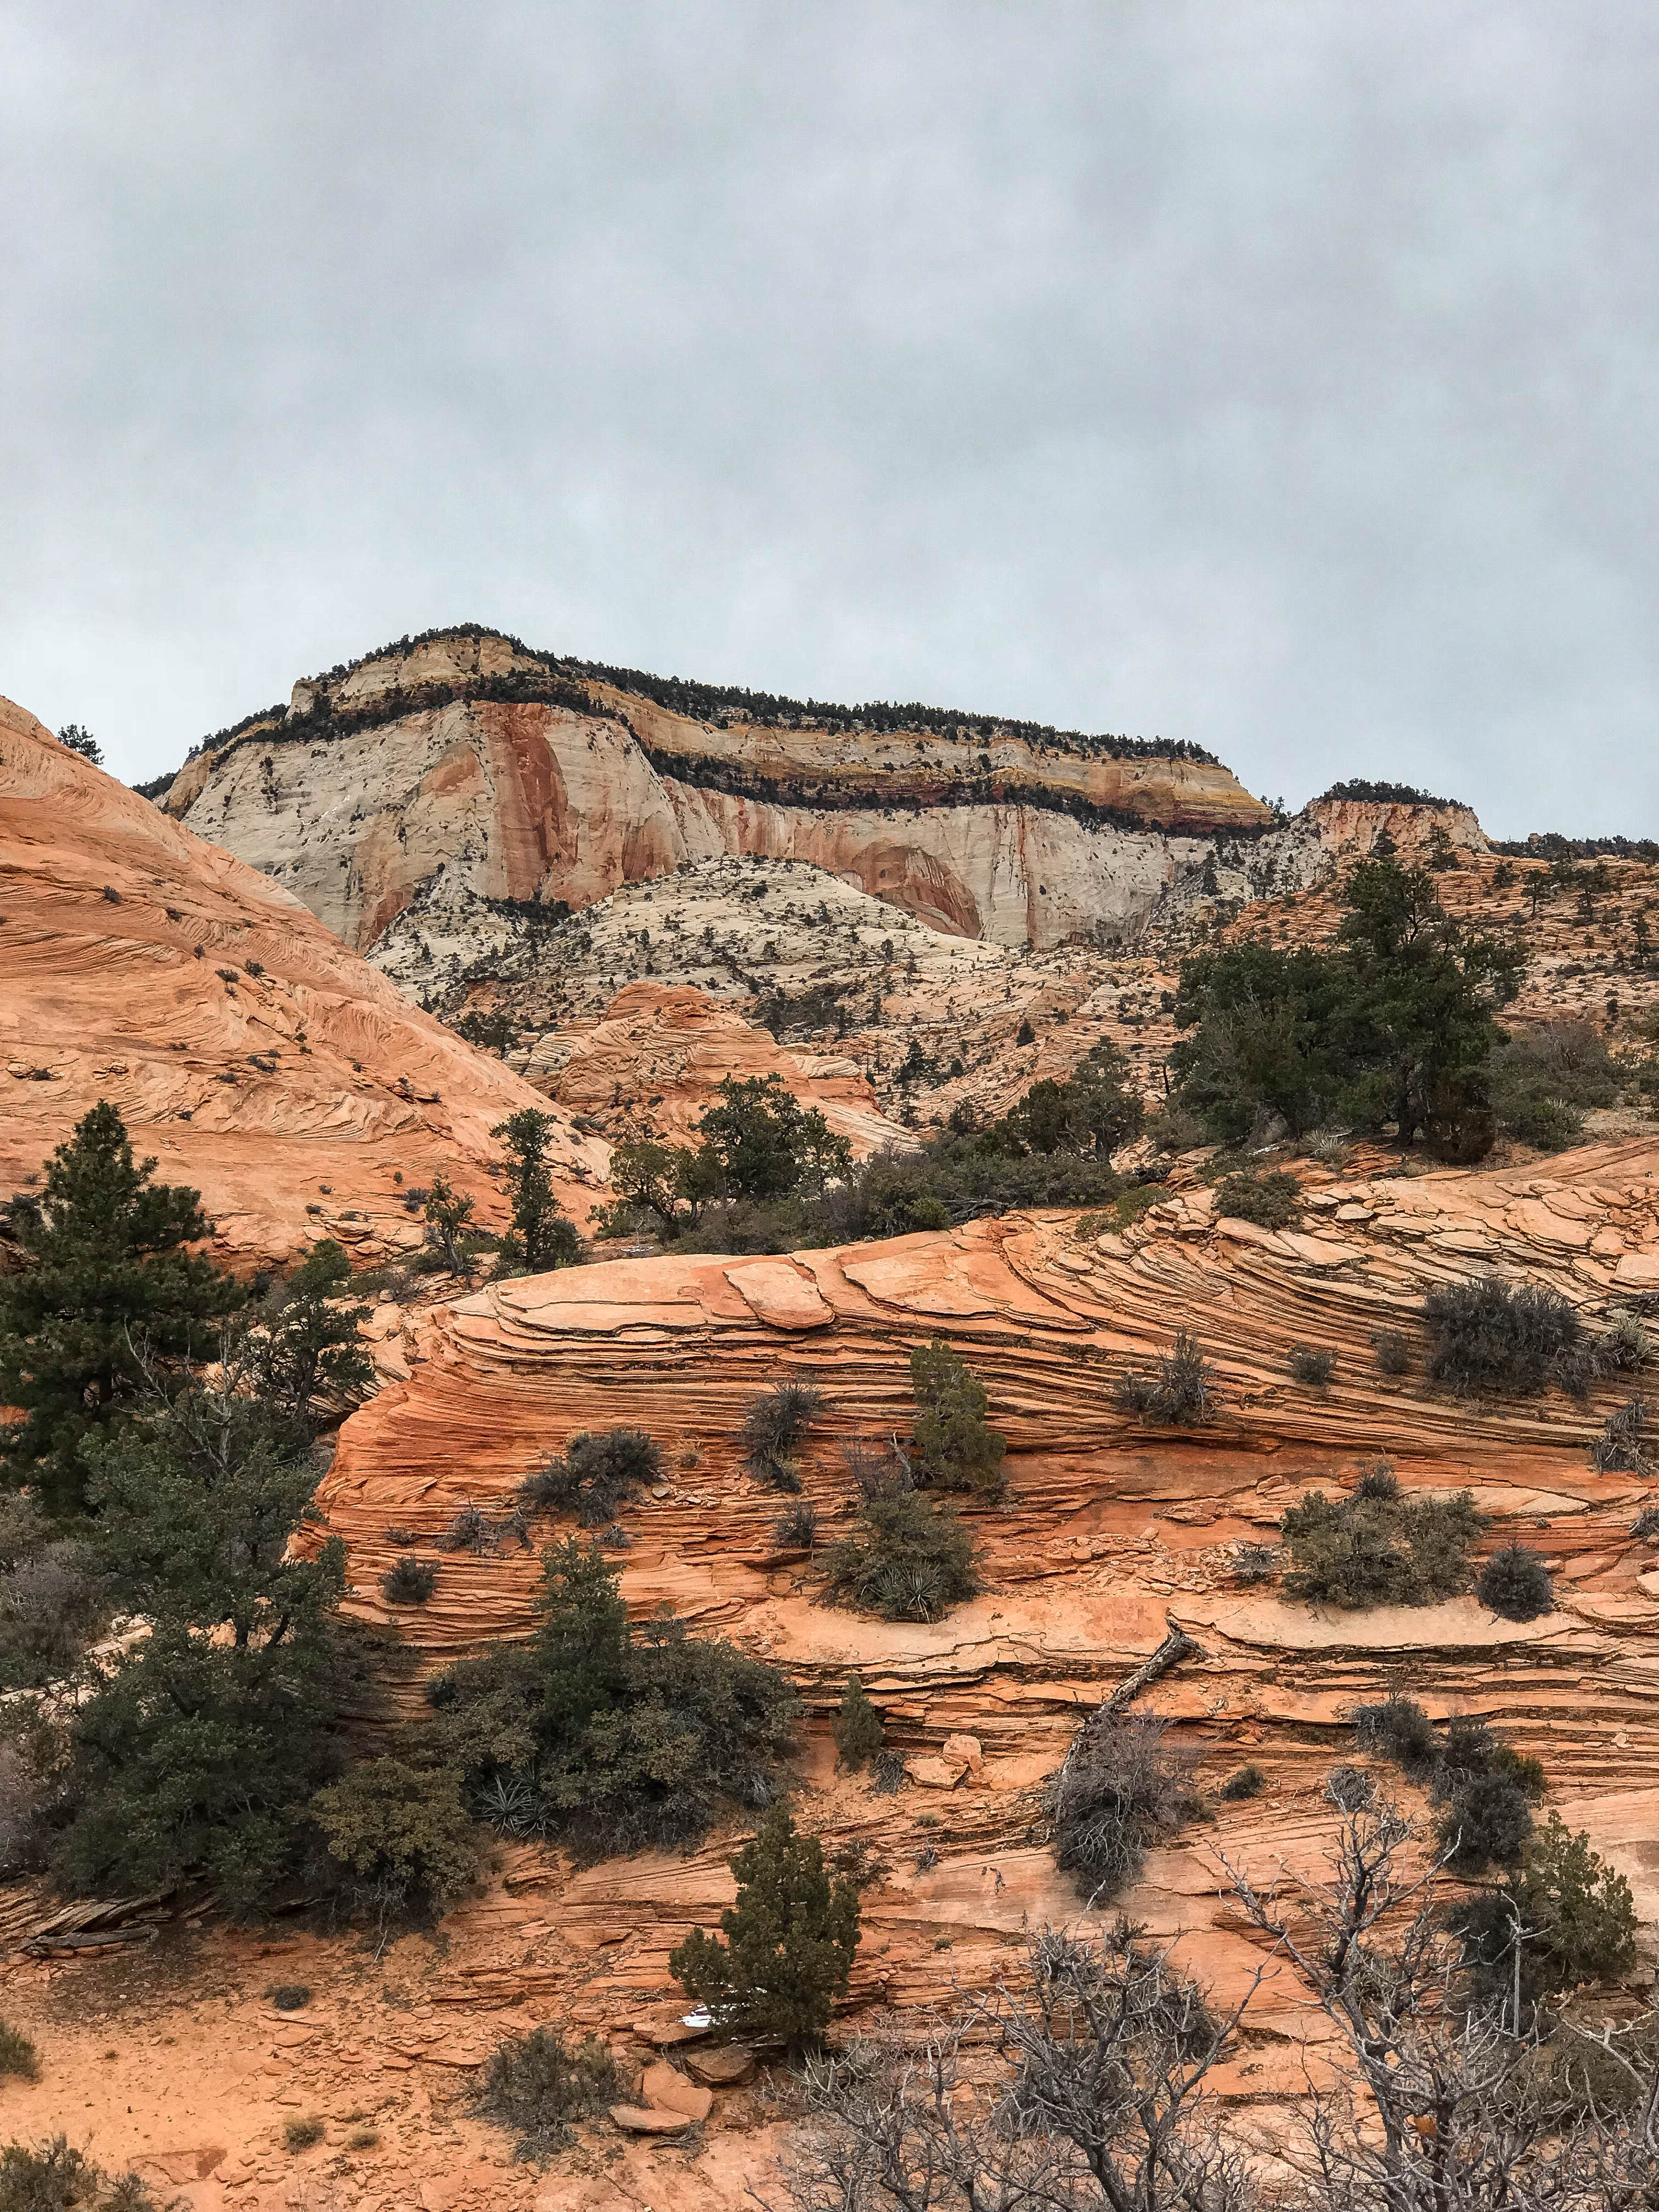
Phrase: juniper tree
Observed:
(542, 1239)
(790, 1940)
(106, 1282)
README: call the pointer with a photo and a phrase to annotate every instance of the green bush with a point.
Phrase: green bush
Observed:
(907, 1559)
(1392, 1353)
(1179, 1393)
(1271, 1202)
(403, 1834)
(18, 2056)
(956, 1446)
(796, 1528)
(1249, 1782)
(858, 1731)
(595, 1476)
(288, 1996)
(1488, 1341)
(1311, 1367)
(1120, 1788)
(790, 1940)
(1543, 1079)
(536, 2085)
(1401, 1730)
(772, 1428)
(605, 1737)
(1576, 1913)
(1515, 1583)
(408, 1581)
(1379, 1547)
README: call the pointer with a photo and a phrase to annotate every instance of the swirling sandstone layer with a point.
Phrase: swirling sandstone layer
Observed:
(1002, 836)
(1109, 1527)
(252, 1054)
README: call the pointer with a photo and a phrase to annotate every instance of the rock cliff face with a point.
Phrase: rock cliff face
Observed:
(469, 763)
(250, 1051)
(1111, 1526)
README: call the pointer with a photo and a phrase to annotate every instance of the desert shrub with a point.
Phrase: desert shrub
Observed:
(402, 1537)
(796, 1528)
(1249, 1782)
(303, 2135)
(1311, 1367)
(363, 2139)
(1392, 1351)
(1256, 1563)
(595, 1475)
(1577, 1915)
(1488, 1341)
(1179, 1393)
(890, 1773)
(1350, 1789)
(536, 2085)
(1542, 1080)
(607, 1736)
(1646, 1523)
(1515, 1583)
(1378, 1481)
(1401, 1730)
(471, 1530)
(1379, 1547)
(18, 2056)
(773, 1426)
(1271, 1202)
(288, 1996)
(402, 1835)
(56, 2178)
(1487, 1791)
(1619, 1448)
(1025, 1034)
(858, 1731)
(408, 1581)
(1120, 1788)
(53, 1601)
(907, 1559)
(956, 1446)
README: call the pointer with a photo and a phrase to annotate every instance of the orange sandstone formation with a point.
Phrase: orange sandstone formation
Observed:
(252, 1054)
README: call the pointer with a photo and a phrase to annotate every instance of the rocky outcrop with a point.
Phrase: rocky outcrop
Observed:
(469, 763)
(253, 1055)
(1114, 1530)
(654, 1065)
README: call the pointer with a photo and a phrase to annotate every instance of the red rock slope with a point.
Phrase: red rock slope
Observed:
(1110, 1525)
(253, 1055)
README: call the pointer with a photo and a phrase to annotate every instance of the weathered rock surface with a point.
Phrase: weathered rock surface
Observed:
(1005, 832)
(252, 1054)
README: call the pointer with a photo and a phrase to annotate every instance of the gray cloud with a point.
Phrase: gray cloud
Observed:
(1274, 376)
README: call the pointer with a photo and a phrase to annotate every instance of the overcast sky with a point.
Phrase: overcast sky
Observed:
(1279, 377)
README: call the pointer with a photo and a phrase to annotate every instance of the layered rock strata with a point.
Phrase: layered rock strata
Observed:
(512, 774)
(1112, 1530)
(255, 1056)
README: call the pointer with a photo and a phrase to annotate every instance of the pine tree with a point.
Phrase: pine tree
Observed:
(858, 1731)
(791, 1938)
(107, 1285)
(957, 1449)
(447, 1212)
(310, 1345)
(542, 1239)
(199, 1746)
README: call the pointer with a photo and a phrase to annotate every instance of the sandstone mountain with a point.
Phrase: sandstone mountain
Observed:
(466, 763)
(257, 1057)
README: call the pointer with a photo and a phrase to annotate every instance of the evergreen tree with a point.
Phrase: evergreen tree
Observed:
(542, 1239)
(764, 1147)
(858, 1731)
(201, 1746)
(446, 1212)
(310, 1344)
(107, 1285)
(791, 1939)
(957, 1449)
